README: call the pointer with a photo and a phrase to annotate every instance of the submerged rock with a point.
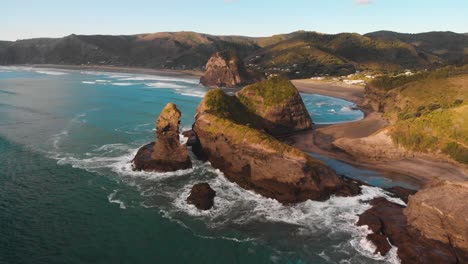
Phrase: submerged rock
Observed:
(232, 134)
(202, 196)
(166, 154)
(225, 69)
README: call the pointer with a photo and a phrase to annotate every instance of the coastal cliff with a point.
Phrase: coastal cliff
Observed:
(279, 105)
(235, 139)
(431, 229)
(226, 69)
(166, 154)
(440, 212)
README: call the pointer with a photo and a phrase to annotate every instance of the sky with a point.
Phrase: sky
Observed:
(22, 19)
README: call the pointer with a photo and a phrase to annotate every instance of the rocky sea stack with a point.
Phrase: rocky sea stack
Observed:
(202, 196)
(235, 134)
(166, 154)
(226, 69)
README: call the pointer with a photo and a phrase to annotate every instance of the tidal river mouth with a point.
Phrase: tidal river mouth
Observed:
(68, 194)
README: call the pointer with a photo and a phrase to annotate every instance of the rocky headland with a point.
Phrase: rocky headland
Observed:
(226, 69)
(236, 134)
(431, 229)
(167, 153)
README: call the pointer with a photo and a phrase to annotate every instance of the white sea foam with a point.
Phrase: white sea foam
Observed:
(57, 138)
(102, 81)
(163, 85)
(51, 72)
(156, 78)
(88, 82)
(345, 109)
(193, 93)
(334, 216)
(235, 205)
(111, 199)
(123, 84)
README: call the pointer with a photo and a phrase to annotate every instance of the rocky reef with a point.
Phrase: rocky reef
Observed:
(235, 134)
(166, 154)
(431, 229)
(225, 69)
(202, 196)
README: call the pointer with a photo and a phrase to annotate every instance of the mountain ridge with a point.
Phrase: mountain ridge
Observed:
(297, 54)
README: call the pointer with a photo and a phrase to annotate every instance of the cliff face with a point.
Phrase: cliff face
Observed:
(440, 212)
(233, 139)
(225, 69)
(390, 227)
(166, 154)
(279, 104)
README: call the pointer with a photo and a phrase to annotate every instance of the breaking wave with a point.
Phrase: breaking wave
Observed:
(50, 72)
(163, 85)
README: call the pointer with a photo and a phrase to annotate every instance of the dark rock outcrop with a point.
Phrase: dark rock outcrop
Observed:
(166, 154)
(225, 69)
(390, 227)
(202, 196)
(233, 137)
(401, 192)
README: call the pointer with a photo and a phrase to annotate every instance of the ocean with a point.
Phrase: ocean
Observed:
(68, 194)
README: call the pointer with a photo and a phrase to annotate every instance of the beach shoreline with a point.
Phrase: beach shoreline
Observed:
(414, 171)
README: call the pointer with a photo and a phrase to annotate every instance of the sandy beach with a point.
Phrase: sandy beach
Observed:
(415, 171)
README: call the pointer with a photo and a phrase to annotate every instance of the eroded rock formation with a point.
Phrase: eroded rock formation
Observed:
(431, 229)
(440, 212)
(232, 134)
(202, 196)
(166, 154)
(278, 103)
(225, 69)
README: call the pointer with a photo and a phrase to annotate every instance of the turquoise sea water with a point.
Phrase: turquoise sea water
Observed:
(68, 194)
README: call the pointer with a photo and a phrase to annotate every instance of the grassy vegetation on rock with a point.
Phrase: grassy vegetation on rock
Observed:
(261, 96)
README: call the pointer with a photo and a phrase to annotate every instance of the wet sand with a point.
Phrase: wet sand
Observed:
(415, 171)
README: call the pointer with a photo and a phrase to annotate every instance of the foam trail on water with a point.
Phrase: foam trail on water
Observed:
(111, 199)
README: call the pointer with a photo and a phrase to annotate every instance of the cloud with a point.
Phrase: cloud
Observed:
(362, 2)
(229, 1)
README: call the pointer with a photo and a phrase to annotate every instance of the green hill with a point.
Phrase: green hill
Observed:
(298, 54)
(428, 112)
(447, 47)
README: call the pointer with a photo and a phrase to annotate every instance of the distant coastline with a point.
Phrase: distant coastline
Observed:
(120, 69)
